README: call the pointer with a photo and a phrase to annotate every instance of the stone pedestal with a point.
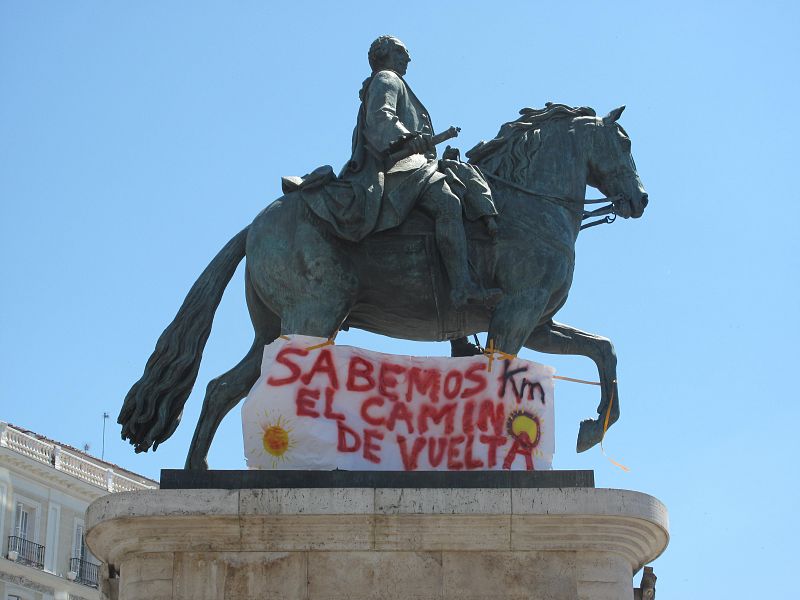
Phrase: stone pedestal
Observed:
(359, 543)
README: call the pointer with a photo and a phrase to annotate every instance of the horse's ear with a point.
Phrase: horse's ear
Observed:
(613, 115)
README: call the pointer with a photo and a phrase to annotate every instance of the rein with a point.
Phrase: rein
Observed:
(609, 210)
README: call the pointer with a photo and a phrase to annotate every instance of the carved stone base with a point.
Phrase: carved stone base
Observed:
(359, 543)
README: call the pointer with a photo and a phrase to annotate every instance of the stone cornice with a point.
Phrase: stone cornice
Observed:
(626, 523)
(47, 476)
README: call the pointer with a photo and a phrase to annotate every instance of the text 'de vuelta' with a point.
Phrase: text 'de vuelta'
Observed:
(339, 407)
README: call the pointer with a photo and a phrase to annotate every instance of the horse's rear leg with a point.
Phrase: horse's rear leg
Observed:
(225, 391)
(316, 314)
(222, 394)
(555, 338)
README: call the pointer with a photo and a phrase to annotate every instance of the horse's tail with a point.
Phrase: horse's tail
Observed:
(152, 409)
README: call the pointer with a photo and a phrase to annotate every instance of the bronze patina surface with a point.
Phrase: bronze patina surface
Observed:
(384, 247)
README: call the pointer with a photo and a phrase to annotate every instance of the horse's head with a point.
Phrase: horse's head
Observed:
(611, 166)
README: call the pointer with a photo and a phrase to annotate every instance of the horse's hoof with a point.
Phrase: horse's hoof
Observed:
(589, 435)
(463, 347)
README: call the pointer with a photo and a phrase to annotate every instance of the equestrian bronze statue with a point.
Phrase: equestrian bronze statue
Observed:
(376, 248)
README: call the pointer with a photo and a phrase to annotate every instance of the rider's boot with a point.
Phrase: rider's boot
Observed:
(452, 243)
(473, 294)
(490, 223)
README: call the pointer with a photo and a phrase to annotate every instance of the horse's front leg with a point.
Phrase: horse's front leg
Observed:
(515, 318)
(555, 338)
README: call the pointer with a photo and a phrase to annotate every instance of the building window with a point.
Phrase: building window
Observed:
(83, 565)
(25, 533)
(3, 494)
(24, 518)
(78, 541)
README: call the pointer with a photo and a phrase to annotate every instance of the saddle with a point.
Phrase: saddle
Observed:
(411, 245)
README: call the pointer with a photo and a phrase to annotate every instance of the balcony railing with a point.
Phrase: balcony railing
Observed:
(27, 552)
(63, 460)
(28, 445)
(86, 572)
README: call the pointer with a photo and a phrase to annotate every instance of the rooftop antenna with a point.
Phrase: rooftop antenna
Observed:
(103, 452)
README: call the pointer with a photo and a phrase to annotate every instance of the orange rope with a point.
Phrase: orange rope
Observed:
(328, 342)
(576, 380)
(490, 351)
(605, 428)
(605, 419)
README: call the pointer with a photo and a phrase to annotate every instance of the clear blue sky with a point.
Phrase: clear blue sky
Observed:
(136, 138)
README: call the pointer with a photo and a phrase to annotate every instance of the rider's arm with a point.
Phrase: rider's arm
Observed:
(383, 126)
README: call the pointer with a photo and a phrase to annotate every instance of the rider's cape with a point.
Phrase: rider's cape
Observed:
(367, 197)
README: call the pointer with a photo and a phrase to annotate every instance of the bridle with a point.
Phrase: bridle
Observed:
(608, 210)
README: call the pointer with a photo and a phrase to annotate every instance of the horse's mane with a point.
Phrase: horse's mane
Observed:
(513, 147)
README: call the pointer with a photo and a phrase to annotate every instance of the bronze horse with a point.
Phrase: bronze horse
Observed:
(300, 279)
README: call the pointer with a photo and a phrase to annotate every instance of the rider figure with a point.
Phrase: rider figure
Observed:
(392, 118)
(374, 193)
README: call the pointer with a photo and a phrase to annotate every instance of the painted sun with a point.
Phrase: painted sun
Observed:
(276, 438)
(522, 421)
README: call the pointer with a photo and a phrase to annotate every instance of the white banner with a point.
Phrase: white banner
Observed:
(324, 407)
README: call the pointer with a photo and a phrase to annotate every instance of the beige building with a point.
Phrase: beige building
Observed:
(45, 488)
